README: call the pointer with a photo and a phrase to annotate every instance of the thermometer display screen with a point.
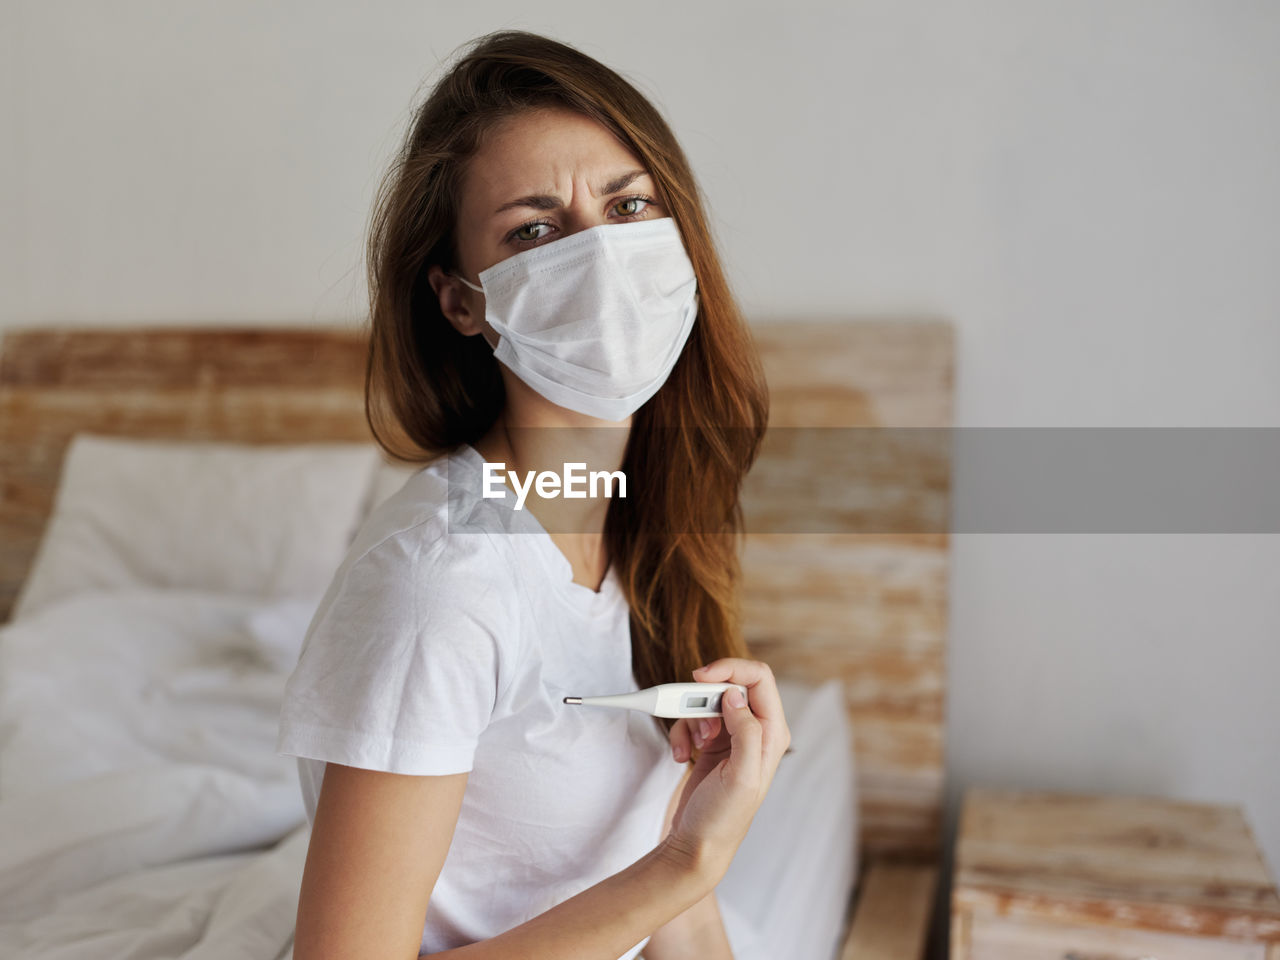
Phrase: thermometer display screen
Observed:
(696, 702)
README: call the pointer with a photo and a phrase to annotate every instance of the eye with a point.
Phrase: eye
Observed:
(517, 235)
(521, 237)
(638, 198)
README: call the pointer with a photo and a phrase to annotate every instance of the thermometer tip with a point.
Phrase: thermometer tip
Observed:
(572, 699)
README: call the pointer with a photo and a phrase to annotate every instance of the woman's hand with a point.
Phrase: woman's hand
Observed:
(732, 773)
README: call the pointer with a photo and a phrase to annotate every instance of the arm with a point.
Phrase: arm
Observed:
(603, 921)
(377, 847)
(698, 933)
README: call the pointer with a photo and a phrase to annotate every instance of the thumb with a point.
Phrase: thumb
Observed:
(735, 698)
(745, 731)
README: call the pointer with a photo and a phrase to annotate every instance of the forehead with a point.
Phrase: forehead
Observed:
(542, 150)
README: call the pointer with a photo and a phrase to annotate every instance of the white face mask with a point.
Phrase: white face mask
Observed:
(595, 321)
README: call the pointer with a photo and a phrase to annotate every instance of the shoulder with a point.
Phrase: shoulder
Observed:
(435, 568)
(438, 513)
(427, 567)
(417, 598)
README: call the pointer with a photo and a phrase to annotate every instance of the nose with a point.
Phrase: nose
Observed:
(577, 220)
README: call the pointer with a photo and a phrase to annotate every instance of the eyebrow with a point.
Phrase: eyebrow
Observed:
(546, 201)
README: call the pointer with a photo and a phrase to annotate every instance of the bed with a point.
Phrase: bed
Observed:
(121, 834)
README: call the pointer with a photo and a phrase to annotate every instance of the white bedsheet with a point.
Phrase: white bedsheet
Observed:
(143, 813)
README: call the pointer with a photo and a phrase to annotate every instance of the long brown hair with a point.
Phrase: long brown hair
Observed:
(429, 388)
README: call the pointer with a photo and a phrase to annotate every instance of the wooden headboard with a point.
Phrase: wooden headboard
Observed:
(867, 607)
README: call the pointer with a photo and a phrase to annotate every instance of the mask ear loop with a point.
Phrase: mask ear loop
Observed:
(479, 290)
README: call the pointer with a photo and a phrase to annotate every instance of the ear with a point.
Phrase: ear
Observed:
(460, 304)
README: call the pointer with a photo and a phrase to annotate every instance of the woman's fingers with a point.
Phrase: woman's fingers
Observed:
(745, 735)
(763, 708)
(763, 699)
(681, 740)
(690, 732)
(755, 675)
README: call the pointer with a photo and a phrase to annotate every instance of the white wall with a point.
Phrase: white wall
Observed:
(1089, 189)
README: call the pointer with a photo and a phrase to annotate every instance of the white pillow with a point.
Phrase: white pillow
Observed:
(786, 892)
(268, 521)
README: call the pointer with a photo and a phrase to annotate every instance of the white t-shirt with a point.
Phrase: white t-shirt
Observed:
(447, 642)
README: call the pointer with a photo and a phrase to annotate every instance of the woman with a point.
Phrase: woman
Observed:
(543, 290)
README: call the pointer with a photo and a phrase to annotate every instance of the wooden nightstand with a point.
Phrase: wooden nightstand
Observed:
(1042, 876)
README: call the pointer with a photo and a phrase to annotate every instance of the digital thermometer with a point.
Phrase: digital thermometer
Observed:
(668, 699)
